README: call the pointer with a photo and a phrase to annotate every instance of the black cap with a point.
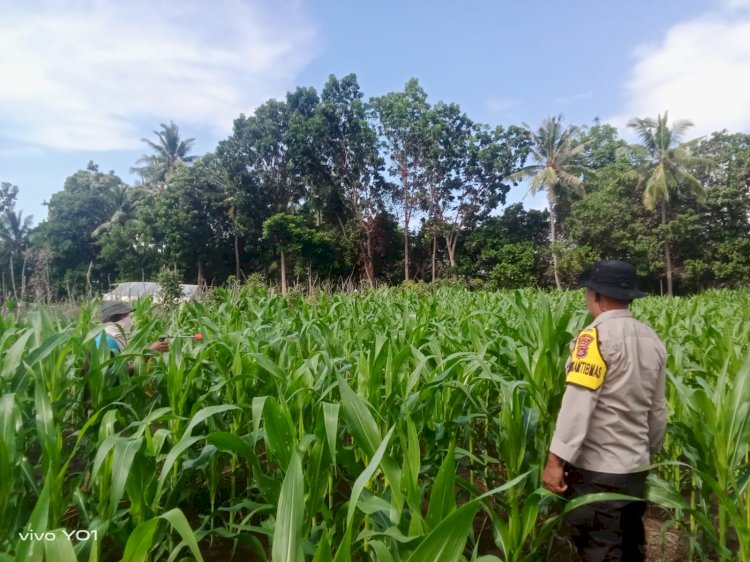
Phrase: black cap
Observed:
(613, 278)
(113, 308)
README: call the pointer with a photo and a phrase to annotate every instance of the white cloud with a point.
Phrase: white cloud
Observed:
(498, 105)
(700, 72)
(88, 74)
(736, 4)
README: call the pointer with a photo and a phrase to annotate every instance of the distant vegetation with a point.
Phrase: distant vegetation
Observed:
(330, 188)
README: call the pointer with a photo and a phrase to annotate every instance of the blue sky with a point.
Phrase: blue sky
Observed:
(86, 80)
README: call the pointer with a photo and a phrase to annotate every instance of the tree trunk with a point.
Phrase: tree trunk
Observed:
(89, 290)
(369, 262)
(407, 209)
(406, 255)
(237, 257)
(667, 255)
(200, 273)
(434, 256)
(451, 241)
(47, 284)
(23, 275)
(282, 262)
(13, 278)
(553, 234)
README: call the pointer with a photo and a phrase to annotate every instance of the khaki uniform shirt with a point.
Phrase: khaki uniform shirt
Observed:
(617, 427)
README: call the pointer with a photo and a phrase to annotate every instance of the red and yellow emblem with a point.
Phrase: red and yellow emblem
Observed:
(587, 367)
(582, 345)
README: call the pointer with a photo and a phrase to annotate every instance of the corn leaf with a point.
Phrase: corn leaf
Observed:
(287, 535)
(60, 549)
(447, 540)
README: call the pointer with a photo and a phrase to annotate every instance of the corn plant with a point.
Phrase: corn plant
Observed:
(390, 425)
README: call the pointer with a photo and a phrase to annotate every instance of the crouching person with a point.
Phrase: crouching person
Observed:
(118, 324)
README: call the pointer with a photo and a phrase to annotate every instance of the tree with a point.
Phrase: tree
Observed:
(447, 138)
(612, 222)
(664, 170)
(352, 164)
(170, 152)
(270, 158)
(14, 241)
(120, 202)
(501, 248)
(192, 217)
(74, 213)
(489, 158)
(602, 148)
(8, 194)
(288, 233)
(721, 255)
(134, 249)
(553, 149)
(13, 232)
(402, 121)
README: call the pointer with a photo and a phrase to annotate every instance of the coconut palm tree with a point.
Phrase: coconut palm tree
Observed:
(169, 153)
(553, 149)
(665, 173)
(14, 238)
(119, 205)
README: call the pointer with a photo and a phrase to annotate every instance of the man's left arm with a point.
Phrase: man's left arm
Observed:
(573, 421)
(578, 404)
(572, 426)
(657, 415)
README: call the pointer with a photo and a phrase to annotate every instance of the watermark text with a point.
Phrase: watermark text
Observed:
(81, 535)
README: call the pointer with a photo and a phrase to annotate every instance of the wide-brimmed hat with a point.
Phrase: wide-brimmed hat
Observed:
(113, 308)
(613, 278)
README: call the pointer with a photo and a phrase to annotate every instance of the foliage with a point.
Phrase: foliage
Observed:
(499, 241)
(170, 281)
(662, 164)
(516, 266)
(170, 153)
(74, 214)
(614, 225)
(8, 195)
(361, 173)
(191, 218)
(402, 119)
(554, 150)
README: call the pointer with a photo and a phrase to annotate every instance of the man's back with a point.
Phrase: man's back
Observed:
(629, 417)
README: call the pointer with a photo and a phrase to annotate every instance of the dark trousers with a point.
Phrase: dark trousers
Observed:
(608, 530)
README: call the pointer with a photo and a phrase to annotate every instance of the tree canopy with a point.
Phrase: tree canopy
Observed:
(331, 187)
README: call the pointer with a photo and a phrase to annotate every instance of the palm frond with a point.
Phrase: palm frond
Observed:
(688, 183)
(569, 179)
(679, 128)
(645, 128)
(525, 172)
(656, 188)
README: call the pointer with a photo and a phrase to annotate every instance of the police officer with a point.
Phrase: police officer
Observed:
(612, 418)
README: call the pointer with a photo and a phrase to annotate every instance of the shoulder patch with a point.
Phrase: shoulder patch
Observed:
(587, 367)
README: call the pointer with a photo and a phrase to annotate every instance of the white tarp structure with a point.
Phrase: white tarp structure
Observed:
(128, 292)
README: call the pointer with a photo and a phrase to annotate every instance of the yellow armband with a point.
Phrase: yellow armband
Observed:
(587, 367)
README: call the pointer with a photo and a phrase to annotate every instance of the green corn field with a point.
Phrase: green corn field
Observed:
(390, 425)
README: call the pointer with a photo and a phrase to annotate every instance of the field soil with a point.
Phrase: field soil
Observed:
(672, 546)
(669, 545)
